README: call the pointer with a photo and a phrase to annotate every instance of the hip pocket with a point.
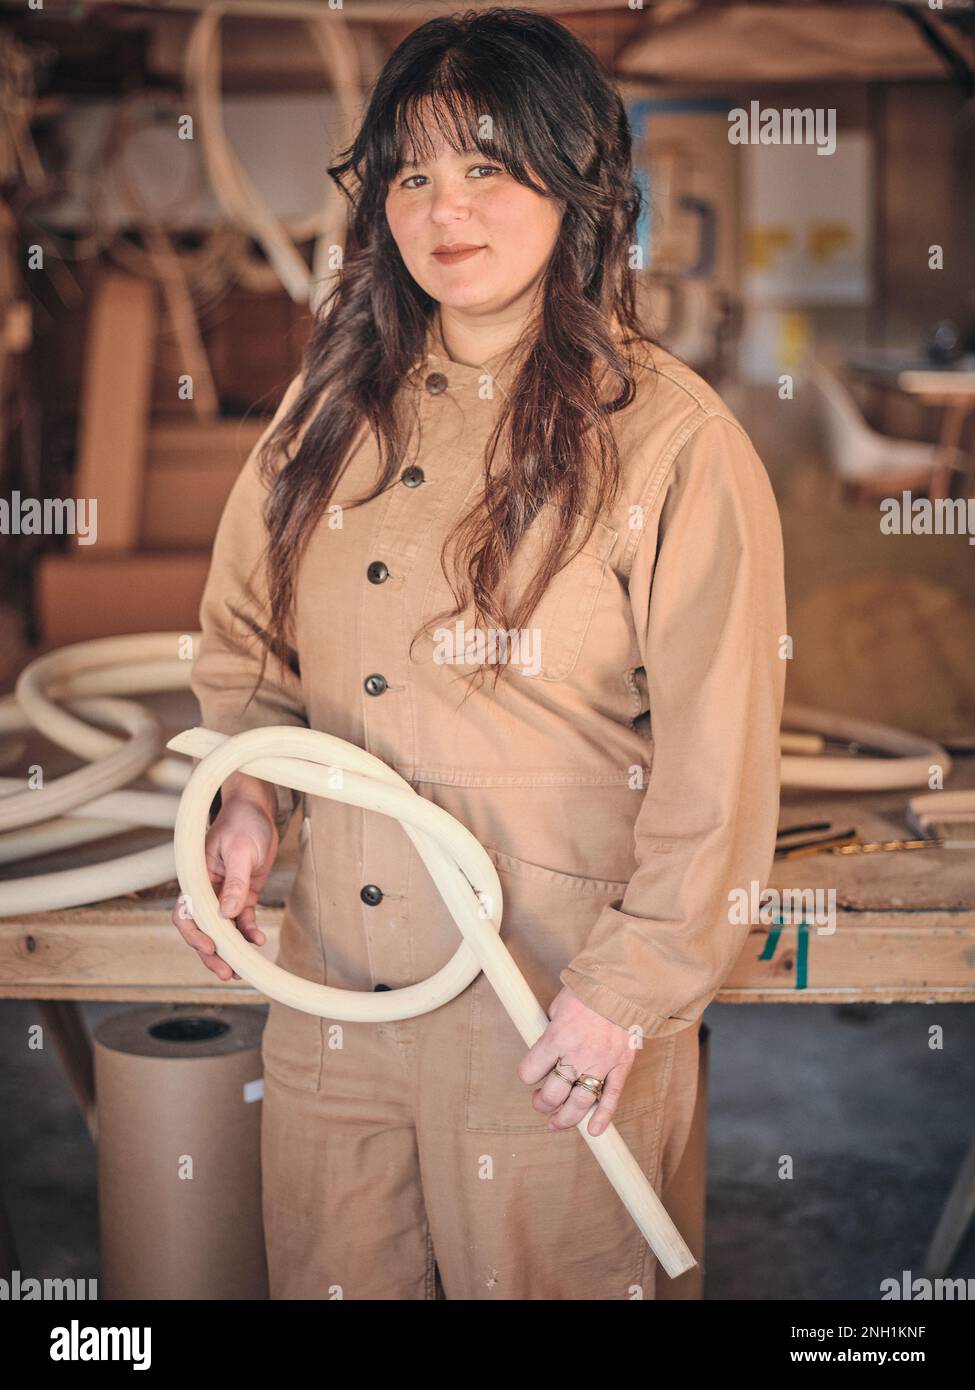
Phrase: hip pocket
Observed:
(292, 1048)
(547, 918)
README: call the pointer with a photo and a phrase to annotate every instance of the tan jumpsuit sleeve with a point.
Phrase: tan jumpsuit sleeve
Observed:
(708, 598)
(234, 600)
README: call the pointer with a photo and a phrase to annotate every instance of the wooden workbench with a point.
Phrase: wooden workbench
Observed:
(904, 933)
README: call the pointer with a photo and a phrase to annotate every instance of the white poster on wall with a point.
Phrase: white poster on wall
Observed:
(808, 223)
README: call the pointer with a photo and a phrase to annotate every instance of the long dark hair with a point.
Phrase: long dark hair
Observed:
(552, 109)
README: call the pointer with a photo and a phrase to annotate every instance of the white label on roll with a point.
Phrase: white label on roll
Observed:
(254, 1090)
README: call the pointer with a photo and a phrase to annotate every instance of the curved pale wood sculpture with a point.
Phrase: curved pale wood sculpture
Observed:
(128, 665)
(93, 883)
(87, 674)
(306, 760)
(133, 664)
(110, 771)
(909, 763)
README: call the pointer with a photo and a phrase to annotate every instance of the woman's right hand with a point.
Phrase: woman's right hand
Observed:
(241, 846)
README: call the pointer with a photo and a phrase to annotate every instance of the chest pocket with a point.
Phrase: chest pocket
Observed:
(548, 646)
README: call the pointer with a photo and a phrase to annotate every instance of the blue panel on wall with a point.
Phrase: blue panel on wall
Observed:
(639, 114)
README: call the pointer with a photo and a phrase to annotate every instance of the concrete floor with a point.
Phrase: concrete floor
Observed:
(875, 1122)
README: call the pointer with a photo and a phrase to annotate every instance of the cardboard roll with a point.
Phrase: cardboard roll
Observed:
(178, 1092)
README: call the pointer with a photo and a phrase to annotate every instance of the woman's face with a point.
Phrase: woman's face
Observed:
(465, 200)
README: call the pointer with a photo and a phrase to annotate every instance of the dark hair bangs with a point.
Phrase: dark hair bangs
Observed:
(462, 113)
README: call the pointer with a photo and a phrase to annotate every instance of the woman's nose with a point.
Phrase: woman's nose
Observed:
(450, 205)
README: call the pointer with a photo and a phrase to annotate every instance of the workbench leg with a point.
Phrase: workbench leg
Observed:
(685, 1198)
(64, 1024)
(947, 451)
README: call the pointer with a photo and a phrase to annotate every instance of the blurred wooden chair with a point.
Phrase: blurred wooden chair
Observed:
(868, 463)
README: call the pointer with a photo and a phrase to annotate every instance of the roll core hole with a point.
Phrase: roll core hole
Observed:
(189, 1030)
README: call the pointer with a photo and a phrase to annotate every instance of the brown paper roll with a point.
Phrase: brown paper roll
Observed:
(178, 1092)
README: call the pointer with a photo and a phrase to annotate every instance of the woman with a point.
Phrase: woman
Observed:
(479, 386)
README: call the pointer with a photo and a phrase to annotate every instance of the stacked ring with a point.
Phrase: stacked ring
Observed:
(561, 1075)
(591, 1084)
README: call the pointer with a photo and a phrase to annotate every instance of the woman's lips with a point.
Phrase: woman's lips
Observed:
(454, 257)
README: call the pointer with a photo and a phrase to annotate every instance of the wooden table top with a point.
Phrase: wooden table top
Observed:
(950, 381)
(901, 927)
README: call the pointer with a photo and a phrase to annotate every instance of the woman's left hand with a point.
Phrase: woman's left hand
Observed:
(589, 1045)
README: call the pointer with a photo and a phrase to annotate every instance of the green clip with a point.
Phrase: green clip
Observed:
(772, 940)
(802, 949)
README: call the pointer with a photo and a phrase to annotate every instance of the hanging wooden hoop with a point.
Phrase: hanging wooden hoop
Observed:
(236, 193)
(136, 112)
(306, 760)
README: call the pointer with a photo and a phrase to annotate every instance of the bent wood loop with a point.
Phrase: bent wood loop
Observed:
(317, 763)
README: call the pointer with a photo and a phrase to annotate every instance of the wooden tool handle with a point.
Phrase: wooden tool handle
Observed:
(805, 745)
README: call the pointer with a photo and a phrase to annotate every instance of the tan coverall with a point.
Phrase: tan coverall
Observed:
(623, 791)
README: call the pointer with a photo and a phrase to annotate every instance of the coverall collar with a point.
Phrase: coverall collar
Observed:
(460, 374)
